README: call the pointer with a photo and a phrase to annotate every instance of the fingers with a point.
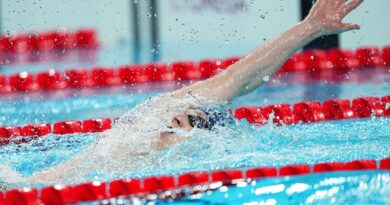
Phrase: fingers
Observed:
(350, 26)
(351, 6)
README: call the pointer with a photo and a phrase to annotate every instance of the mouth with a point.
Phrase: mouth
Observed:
(166, 133)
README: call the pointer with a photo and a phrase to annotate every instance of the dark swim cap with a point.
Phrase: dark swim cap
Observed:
(199, 122)
(215, 118)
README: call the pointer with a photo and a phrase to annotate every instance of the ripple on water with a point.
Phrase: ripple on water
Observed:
(238, 146)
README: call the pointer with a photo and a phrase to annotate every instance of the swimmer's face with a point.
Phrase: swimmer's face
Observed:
(187, 121)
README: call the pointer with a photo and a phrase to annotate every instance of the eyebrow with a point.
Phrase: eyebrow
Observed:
(199, 122)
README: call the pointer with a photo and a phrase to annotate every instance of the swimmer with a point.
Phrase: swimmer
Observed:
(164, 121)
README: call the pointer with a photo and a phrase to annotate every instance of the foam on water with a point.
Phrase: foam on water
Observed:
(238, 146)
(129, 145)
(128, 150)
(245, 146)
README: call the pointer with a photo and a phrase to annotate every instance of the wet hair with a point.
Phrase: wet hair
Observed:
(199, 122)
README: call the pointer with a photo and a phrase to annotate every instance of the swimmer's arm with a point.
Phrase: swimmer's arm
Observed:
(62, 172)
(249, 73)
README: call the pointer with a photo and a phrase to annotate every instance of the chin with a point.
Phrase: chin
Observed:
(167, 139)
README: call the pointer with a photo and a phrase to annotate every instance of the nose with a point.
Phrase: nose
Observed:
(181, 121)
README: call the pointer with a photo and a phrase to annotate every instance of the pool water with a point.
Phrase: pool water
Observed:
(19, 109)
(331, 188)
(240, 146)
(263, 146)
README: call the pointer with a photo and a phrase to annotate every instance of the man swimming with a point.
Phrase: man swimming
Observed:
(164, 121)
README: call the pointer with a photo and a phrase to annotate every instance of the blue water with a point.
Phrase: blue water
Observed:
(272, 146)
(264, 146)
(51, 107)
(330, 188)
(241, 147)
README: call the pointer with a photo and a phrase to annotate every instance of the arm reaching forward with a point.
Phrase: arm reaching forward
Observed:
(246, 75)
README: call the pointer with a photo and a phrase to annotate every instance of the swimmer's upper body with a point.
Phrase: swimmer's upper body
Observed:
(179, 110)
(255, 68)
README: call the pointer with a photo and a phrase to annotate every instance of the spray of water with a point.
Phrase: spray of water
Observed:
(128, 150)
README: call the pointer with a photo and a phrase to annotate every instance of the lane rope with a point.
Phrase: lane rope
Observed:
(176, 187)
(19, 43)
(279, 114)
(314, 61)
(179, 186)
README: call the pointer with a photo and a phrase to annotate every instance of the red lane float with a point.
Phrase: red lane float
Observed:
(96, 125)
(386, 103)
(361, 165)
(67, 127)
(328, 167)
(44, 41)
(291, 170)
(337, 109)
(208, 68)
(135, 74)
(186, 71)
(22, 82)
(252, 114)
(365, 107)
(369, 57)
(8, 133)
(340, 59)
(23, 196)
(308, 112)
(158, 183)
(3, 82)
(124, 187)
(192, 179)
(58, 194)
(90, 191)
(263, 172)
(312, 61)
(102, 77)
(37, 130)
(96, 191)
(51, 80)
(386, 55)
(85, 38)
(385, 164)
(280, 114)
(45, 46)
(226, 175)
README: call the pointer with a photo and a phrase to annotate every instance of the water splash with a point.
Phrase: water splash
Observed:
(127, 149)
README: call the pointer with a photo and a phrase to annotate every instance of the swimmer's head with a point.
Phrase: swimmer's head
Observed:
(186, 121)
(167, 122)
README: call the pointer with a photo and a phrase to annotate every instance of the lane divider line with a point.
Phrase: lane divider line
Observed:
(279, 114)
(314, 61)
(176, 187)
(48, 41)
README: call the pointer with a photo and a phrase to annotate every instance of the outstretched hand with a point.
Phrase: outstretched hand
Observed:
(327, 15)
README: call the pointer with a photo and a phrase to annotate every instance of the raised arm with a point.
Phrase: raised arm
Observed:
(250, 72)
